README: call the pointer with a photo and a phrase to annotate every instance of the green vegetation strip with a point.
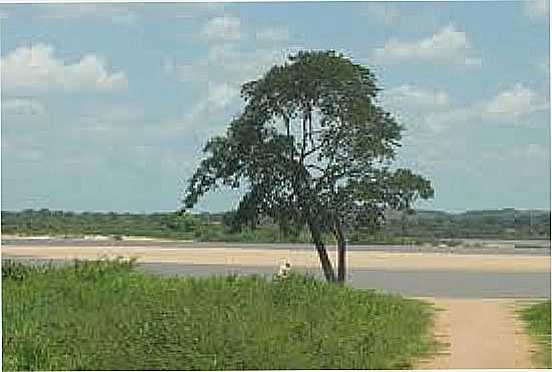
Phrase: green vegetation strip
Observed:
(421, 227)
(537, 318)
(107, 316)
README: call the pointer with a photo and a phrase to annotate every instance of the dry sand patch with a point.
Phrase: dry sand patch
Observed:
(298, 258)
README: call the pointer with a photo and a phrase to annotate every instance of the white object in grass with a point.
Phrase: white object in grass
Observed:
(284, 270)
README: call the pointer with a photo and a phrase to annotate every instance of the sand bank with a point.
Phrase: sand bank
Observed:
(299, 258)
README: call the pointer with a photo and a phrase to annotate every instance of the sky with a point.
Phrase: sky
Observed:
(106, 107)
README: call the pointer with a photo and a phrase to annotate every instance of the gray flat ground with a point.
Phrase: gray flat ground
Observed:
(456, 284)
(408, 283)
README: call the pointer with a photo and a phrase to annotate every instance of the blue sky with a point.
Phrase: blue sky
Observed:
(106, 106)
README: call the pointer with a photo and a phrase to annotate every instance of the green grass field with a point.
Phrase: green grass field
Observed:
(107, 316)
(537, 318)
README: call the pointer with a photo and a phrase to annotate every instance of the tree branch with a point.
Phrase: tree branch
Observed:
(304, 144)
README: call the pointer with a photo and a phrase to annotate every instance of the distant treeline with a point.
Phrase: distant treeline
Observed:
(422, 226)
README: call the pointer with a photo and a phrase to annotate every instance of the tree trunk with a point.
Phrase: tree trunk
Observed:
(322, 253)
(341, 251)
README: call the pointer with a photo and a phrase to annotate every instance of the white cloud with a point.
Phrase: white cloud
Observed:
(414, 98)
(36, 69)
(221, 95)
(274, 34)
(240, 66)
(448, 46)
(536, 9)
(222, 28)
(223, 70)
(116, 13)
(515, 102)
(211, 109)
(438, 121)
(22, 106)
(427, 112)
(513, 105)
(442, 135)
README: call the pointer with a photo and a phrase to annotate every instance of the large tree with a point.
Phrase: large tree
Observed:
(312, 147)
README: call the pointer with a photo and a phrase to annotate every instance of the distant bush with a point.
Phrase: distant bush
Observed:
(425, 226)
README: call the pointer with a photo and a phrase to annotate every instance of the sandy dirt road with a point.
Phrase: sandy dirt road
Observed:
(479, 334)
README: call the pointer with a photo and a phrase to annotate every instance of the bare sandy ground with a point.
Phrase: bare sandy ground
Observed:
(298, 258)
(479, 334)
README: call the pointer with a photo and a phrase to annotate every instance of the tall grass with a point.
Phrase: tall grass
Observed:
(537, 318)
(106, 316)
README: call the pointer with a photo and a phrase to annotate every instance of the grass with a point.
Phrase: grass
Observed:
(537, 318)
(107, 316)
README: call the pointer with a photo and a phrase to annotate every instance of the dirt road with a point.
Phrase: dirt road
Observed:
(479, 334)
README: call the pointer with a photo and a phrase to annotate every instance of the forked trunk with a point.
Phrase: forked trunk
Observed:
(341, 251)
(322, 253)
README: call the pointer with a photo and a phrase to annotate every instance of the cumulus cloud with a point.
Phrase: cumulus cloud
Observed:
(536, 9)
(211, 109)
(228, 67)
(515, 101)
(222, 94)
(222, 28)
(447, 46)
(273, 34)
(240, 66)
(428, 111)
(36, 69)
(512, 105)
(415, 98)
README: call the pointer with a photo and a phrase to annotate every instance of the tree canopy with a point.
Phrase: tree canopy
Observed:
(312, 147)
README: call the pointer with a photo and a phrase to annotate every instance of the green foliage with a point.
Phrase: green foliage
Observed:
(105, 316)
(313, 148)
(537, 318)
(60, 223)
